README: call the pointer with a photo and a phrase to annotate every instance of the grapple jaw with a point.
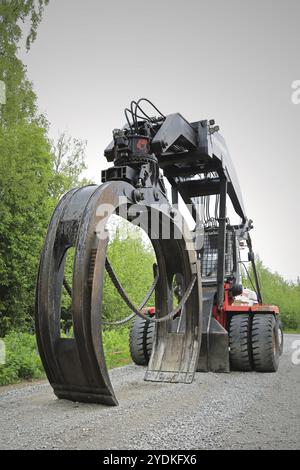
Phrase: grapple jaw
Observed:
(76, 367)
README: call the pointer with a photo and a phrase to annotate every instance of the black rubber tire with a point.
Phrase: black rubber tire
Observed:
(280, 337)
(240, 352)
(265, 342)
(141, 340)
(149, 338)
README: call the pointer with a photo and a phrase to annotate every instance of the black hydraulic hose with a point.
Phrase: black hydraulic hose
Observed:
(129, 317)
(145, 300)
(137, 311)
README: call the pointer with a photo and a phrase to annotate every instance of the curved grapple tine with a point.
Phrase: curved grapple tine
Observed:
(75, 368)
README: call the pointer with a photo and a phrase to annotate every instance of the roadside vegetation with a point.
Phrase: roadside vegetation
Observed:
(34, 172)
(23, 361)
(278, 291)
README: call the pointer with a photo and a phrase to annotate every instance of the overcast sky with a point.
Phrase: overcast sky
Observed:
(234, 61)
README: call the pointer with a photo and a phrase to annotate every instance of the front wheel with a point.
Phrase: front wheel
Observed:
(265, 343)
(141, 340)
(240, 342)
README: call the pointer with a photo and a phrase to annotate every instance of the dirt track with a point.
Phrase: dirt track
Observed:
(224, 411)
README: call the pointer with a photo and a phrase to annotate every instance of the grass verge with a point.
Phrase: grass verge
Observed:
(22, 361)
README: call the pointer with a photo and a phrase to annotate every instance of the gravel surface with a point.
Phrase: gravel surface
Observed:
(220, 411)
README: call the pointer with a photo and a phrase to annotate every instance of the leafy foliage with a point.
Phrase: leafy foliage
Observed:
(14, 11)
(68, 163)
(21, 99)
(22, 359)
(25, 172)
(277, 291)
(34, 172)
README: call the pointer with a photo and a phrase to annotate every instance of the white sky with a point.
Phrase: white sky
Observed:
(233, 61)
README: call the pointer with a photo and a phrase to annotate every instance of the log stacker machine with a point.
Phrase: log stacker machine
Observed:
(216, 325)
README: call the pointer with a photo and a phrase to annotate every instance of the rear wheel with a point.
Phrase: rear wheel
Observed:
(265, 343)
(240, 342)
(141, 340)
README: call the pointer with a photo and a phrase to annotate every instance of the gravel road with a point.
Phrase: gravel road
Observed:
(222, 411)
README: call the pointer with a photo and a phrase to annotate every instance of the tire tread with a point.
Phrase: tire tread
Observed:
(240, 342)
(264, 358)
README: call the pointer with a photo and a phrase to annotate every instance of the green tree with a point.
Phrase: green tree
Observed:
(68, 163)
(25, 169)
(25, 172)
(20, 97)
(33, 171)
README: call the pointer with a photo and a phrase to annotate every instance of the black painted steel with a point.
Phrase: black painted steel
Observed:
(76, 366)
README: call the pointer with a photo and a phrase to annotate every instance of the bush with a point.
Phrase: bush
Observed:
(22, 359)
(277, 291)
